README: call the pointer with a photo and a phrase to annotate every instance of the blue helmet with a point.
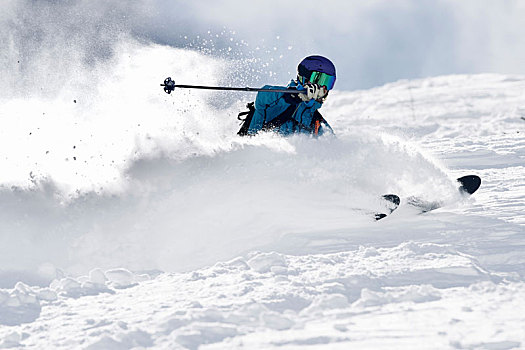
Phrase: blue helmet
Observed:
(317, 69)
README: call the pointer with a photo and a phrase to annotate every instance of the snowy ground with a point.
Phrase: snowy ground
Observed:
(266, 243)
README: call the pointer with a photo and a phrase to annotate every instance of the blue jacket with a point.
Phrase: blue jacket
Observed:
(287, 113)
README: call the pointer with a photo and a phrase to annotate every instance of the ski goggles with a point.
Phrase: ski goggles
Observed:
(319, 78)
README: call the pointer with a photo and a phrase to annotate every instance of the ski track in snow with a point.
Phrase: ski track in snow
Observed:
(452, 278)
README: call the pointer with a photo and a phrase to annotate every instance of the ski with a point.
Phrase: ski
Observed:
(468, 185)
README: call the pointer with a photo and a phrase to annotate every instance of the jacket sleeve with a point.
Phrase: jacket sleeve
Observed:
(268, 105)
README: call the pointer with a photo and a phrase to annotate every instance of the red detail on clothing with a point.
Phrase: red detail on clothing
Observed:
(317, 125)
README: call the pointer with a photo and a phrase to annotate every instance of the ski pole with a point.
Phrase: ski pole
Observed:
(169, 86)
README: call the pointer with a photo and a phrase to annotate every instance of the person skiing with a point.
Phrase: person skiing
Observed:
(286, 113)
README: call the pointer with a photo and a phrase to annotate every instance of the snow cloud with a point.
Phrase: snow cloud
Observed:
(371, 42)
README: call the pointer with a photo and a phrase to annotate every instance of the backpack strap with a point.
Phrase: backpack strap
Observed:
(246, 121)
(317, 122)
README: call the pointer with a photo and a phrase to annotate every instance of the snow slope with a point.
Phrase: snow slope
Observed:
(150, 224)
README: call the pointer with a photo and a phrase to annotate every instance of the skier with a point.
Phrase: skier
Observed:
(293, 113)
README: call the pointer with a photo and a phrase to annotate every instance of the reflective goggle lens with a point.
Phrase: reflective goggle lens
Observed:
(323, 79)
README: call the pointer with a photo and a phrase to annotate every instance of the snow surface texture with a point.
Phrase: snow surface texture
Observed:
(150, 224)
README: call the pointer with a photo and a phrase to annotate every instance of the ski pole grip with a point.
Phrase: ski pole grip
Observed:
(169, 85)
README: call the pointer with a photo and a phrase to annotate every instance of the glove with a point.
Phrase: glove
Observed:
(313, 92)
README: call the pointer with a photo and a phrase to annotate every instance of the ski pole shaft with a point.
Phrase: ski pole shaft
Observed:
(169, 86)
